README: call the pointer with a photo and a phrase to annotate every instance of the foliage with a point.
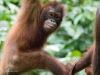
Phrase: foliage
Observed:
(70, 40)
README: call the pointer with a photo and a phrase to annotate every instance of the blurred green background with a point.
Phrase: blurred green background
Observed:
(70, 40)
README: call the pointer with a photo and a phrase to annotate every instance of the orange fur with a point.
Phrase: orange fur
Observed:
(23, 47)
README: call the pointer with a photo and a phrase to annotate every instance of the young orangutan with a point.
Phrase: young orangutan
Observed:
(23, 47)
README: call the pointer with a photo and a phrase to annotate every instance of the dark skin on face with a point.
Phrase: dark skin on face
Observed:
(52, 18)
